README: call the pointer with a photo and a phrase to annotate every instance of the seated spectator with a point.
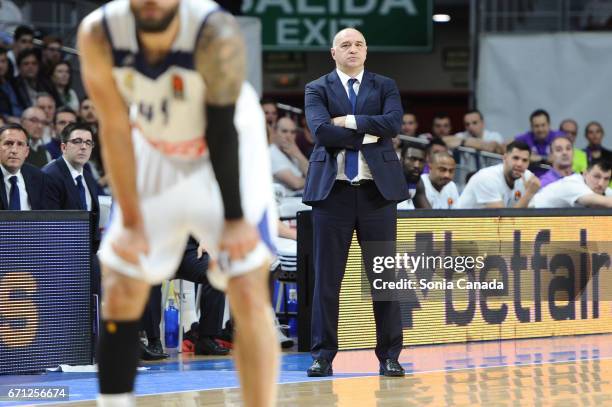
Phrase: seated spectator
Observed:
(29, 84)
(594, 134)
(9, 104)
(23, 186)
(63, 117)
(23, 38)
(561, 157)
(476, 135)
(506, 185)
(289, 166)
(436, 145)
(579, 190)
(413, 162)
(270, 112)
(61, 77)
(51, 54)
(440, 190)
(409, 128)
(47, 103)
(34, 120)
(539, 139)
(570, 128)
(441, 127)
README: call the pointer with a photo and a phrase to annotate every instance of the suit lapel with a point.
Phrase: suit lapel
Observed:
(31, 189)
(3, 192)
(338, 90)
(366, 86)
(73, 192)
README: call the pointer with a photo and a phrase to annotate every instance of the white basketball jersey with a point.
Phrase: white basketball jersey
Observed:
(167, 100)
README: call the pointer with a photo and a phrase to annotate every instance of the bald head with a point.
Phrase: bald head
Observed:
(441, 156)
(34, 120)
(349, 50)
(441, 169)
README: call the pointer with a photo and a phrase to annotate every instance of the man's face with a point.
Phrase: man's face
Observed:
(34, 121)
(154, 16)
(78, 148)
(285, 131)
(474, 124)
(13, 149)
(3, 64)
(29, 67)
(597, 179)
(594, 134)
(88, 112)
(540, 127)
(52, 53)
(561, 153)
(409, 125)
(349, 50)
(571, 130)
(24, 42)
(442, 171)
(441, 127)
(271, 113)
(62, 120)
(47, 104)
(515, 163)
(413, 163)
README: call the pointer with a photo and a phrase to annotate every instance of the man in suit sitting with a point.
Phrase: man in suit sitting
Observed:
(23, 185)
(71, 184)
(354, 182)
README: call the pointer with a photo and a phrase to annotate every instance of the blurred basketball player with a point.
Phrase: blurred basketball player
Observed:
(184, 143)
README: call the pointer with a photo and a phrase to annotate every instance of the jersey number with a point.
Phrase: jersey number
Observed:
(148, 111)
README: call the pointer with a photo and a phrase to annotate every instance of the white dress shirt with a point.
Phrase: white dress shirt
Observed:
(23, 193)
(363, 171)
(74, 173)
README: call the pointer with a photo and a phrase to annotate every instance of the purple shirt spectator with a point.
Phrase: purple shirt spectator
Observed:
(549, 177)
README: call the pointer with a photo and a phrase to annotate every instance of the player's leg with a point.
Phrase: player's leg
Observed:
(118, 352)
(256, 349)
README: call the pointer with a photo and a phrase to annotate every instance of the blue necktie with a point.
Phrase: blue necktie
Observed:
(79, 180)
(352, 156)
(14, 200)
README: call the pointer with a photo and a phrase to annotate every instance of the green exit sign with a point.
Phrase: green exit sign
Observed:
(310, 25)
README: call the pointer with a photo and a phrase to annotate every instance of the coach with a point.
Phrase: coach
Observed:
(353, 183)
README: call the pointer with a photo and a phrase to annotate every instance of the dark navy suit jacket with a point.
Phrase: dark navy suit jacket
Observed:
(64, 194)
(36, 186)
(378, 112)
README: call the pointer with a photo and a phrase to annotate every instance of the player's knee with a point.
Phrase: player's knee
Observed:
(124, 299)
(248, 295)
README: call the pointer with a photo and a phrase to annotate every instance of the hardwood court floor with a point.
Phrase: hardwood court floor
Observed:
(567, 371)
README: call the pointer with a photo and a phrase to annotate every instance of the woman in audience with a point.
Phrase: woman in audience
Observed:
(61, 76)
(594, 133)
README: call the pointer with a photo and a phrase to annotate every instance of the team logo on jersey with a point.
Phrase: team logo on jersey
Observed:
(517, 195)
(178, 87)
(450, 202)
(128, 80)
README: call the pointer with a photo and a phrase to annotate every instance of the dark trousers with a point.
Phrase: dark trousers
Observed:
(212, 302)
(346, 209)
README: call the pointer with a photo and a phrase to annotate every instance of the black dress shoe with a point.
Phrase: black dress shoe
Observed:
(147, 354)
(208, 346)
(155, 346)
(320, 368)
(391, 368)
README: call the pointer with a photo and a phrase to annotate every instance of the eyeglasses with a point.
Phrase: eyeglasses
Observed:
(80, 141)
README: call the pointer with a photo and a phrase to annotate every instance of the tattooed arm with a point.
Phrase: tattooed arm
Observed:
(220, 59)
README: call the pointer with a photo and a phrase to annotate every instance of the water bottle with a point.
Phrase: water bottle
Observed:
(171, 325)
(292, 307)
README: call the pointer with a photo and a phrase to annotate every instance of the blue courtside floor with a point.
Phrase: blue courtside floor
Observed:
(575, 370)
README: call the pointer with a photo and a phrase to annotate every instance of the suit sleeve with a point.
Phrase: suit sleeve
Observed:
(389, 123)
(319, 122)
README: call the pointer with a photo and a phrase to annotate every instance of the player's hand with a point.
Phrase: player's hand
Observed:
(532, 185)
(130, 243)
(339, 121)
(238, 238)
